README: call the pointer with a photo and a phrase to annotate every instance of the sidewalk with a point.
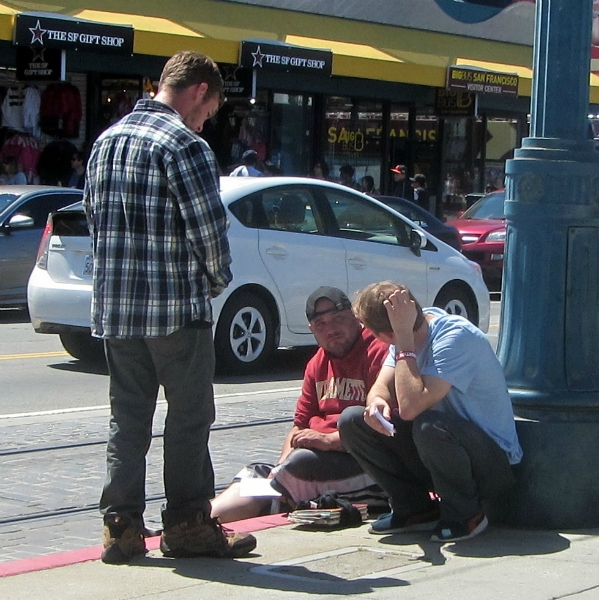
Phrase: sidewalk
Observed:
(502, 564)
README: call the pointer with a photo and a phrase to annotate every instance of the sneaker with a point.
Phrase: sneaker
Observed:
(122, 540)
(204, 536)
(455, 531)
(421, 521)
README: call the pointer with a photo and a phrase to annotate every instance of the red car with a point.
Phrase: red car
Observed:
(482, 230)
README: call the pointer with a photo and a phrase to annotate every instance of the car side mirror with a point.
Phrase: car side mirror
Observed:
(417, 241)
(20, 222)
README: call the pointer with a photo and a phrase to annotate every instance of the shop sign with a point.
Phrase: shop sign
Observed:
(455, 104)
(286, 58)
(237, 81)
(460, 79)
(366, 139)
(39, 64)
(45, 30)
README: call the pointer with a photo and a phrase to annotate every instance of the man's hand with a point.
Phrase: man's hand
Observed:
(308, 438)
(380, 406)
(402, 312)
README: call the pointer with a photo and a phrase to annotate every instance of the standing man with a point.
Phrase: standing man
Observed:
(420, 191)
(455, 431)
(160, 254)
(402, 186)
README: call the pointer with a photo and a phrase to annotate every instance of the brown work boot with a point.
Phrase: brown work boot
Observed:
(123, 540)
(204, 536)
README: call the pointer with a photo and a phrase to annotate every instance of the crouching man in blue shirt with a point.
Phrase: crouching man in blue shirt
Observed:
(444, 391)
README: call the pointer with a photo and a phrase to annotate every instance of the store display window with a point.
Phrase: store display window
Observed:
(353, 135)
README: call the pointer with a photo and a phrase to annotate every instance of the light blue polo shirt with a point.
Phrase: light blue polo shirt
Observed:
(459, 353)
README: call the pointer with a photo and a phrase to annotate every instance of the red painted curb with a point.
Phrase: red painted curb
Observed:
(63, 559)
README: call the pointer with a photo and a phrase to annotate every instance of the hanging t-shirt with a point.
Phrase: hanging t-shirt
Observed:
(12, 108)
(60, 110)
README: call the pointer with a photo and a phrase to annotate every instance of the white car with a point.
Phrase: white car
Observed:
(288, 236)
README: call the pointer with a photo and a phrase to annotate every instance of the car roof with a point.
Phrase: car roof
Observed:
(253, 184)
(22, 189)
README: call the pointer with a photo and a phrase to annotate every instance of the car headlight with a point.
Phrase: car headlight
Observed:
(496, 236)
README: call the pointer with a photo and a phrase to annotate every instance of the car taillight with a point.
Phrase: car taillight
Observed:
(42, 252)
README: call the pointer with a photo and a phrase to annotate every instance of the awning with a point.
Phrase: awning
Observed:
(363, 50)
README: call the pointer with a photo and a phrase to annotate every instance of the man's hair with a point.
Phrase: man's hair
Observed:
(189, 68)
(369, 308)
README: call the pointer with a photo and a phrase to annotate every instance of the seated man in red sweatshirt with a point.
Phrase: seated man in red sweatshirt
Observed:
(313, 460)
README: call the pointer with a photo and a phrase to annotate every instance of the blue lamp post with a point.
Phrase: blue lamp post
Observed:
(549, 337)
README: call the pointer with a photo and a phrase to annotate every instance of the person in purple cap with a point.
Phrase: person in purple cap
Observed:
(313, 460)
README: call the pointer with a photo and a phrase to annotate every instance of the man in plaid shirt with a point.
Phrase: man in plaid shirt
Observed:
(160, 254)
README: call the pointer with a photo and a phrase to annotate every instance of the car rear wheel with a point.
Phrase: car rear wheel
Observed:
(245, 335)
(457, 301)
(83, 346)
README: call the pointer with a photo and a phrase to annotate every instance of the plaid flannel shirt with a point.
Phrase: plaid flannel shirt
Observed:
(157, 223)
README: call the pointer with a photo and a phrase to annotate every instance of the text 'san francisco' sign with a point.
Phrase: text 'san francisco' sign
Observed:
(39, 64)
(281, 57)
(460, 79)
(41, 30)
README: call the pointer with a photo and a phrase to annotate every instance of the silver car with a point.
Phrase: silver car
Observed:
(23, 213)
(288, 236)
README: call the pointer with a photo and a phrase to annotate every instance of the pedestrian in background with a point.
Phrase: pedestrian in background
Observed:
(77, 179)
(249, 166)
(346, 177)
(420, 191)
(13, 175)
(402, 186)
(160, 255)
(367, 183)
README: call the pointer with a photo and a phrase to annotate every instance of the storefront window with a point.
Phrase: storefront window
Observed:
(239, 125)
(292, 130)
(501, 139)
(353, 136)
(118, 97)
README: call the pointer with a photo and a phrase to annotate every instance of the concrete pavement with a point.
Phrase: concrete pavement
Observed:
(291, 562)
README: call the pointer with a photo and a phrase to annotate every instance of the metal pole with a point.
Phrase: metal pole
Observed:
(549, 336)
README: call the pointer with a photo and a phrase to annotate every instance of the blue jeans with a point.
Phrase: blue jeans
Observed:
(183, 363)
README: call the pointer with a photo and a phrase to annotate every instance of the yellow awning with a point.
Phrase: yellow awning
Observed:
(363, 50)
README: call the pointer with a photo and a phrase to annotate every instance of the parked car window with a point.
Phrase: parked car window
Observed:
(39, 207)
(488, 207)
(284, 210)
(6, 199)
(361, 220)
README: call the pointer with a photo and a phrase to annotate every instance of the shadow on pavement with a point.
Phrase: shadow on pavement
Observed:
(286, 364)
(14, 315)
(494, 543)
(243, 572)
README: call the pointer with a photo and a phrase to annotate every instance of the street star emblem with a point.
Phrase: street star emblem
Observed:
(258, 57)
(37, 33)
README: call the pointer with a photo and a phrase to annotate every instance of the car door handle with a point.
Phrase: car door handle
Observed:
(277, 252)
(357, 263)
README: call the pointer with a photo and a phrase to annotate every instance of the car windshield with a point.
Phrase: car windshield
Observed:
(6, 199)
(488, 207)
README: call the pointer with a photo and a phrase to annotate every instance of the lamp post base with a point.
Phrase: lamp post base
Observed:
(557, 482)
